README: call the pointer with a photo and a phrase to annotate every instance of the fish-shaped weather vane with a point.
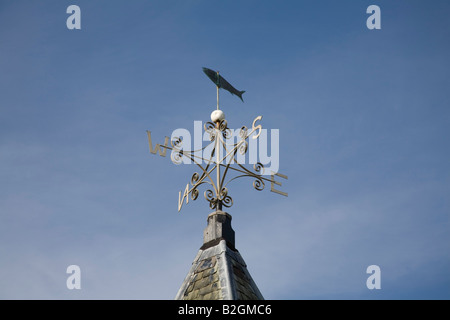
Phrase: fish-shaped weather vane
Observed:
(227, 160)
(220, 82)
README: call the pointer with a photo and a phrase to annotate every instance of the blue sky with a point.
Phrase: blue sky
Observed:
(364, 124)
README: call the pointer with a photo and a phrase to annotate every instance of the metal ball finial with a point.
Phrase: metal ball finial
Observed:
(217, 116)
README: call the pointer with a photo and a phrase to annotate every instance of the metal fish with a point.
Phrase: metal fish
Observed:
(220, 82)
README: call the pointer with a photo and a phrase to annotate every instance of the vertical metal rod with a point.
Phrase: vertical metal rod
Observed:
(218, 161)
(217, 98)
(217, 85)
(219, 187)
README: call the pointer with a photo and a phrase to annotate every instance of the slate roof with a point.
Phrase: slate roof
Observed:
(218, 273)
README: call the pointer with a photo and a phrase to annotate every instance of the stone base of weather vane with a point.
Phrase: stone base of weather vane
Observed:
(218, 228)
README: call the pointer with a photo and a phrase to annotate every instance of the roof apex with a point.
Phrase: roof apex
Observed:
(218, 273)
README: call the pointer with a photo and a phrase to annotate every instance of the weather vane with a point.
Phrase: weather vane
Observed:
(221, 157)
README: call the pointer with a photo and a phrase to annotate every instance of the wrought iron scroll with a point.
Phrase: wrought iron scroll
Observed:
(217, 194)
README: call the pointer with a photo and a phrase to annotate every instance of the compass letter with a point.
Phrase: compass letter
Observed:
(273, 183)
(185, 195)
(258, 127)
(163, 152)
